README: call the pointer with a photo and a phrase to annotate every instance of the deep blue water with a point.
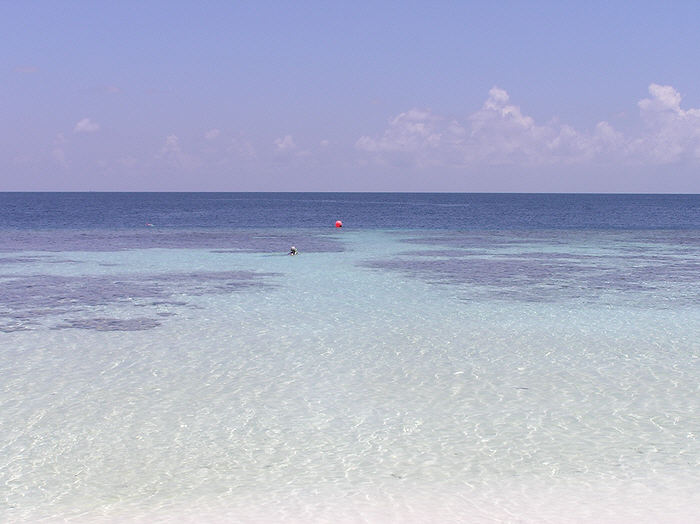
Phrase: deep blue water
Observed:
(452, 211)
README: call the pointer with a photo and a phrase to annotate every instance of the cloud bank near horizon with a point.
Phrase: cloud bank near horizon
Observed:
(499, 133)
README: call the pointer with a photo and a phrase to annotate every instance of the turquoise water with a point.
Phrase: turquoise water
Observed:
(382, 375)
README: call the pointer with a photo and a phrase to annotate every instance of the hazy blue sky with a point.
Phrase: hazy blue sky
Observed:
(365, 96)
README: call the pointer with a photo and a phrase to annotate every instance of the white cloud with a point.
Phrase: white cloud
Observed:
(665, 98)
(409, 131)
(286, 149)
(285, 144)
(212, 134)
(500, 133)
(671, 133)
(173, 154)
(171, 145)
(86, 126)
(429, 138)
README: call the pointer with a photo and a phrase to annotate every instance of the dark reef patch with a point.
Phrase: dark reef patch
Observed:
(646, 269)
(25, 299)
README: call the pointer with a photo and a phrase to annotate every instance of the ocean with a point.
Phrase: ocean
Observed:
(440, 358)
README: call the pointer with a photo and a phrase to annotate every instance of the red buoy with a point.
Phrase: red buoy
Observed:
(338, 223)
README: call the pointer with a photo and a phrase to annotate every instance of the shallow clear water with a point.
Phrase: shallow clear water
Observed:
(403, 375)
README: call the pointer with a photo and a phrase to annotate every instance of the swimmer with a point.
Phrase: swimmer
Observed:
(293, 251)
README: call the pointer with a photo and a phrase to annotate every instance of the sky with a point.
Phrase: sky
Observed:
(462, 96)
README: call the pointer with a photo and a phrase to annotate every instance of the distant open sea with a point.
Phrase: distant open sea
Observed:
(440, 358)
